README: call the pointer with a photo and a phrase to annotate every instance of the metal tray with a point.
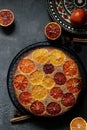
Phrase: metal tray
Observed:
(24, 52)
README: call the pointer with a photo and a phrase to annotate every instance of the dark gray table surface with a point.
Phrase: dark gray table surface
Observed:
(30, 18)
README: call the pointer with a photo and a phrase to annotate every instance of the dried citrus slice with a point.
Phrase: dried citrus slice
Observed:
(78, 123)
(56, 92)
(57, 57)
(70, 68)
(6, 17)
(37, 108)
(39, 92)
(40, 55)
(48, 68)
(36, 77)
(59, 78)
(26, 65)
(53, 108)
(25, 98)
(20, 82)
(74, 85)
(48, 82)
(52, 30)
(68, 99)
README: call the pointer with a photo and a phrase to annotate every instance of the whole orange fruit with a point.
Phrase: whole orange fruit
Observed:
(78, 17)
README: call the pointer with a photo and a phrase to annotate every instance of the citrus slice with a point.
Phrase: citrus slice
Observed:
(60, 78)
(25, 98)
(36, 77)
(48, 82)
(20, 82)
(68, 99)
(53, 108)
(52, 30)
(40, 55)
(56, 92)
(57, 57)
(39, 92)
(37, 108)
(48, 68)
(70, 68)
(74, 85)
(78, 123)
(26, 65)
(6, 17)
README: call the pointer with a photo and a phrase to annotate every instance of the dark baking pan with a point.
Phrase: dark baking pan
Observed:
(24, 52)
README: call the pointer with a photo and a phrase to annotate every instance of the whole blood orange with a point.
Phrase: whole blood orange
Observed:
(6, 17)
(52, 30)
(78, 17)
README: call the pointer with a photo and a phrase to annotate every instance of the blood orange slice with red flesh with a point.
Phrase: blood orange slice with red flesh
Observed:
(37, 108)
(53, 108)
(6, 17)
(25, 98)
(48, 68)
(74, 85)
(52, 30)
(59, 78)
(20, 82)
(56, 92)
(26, 65)
(68, 99)
(70, 68)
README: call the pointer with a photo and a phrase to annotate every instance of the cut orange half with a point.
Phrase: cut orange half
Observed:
(6, 17)
(78, 123)
(52, 30)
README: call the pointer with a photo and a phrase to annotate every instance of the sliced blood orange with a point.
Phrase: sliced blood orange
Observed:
(56, 92)
(78, 123)
(53, 108)
(68, 99)
(48, 68)
(39, 92)
(20, 82)
(40, 55)
(59, 78)
(70, 68)
(52, 30)
(48, 82)
(57, 57)
(74, 85)
(37, 108)
(36, 77)
(26, 65)
(6, 17)
(25, 98)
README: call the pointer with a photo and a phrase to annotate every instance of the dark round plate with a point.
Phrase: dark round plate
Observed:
(60, 11)
(22, 53)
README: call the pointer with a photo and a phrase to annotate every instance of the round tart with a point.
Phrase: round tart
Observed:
(47, 81)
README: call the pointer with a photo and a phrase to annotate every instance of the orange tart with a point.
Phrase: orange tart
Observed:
(47, 81)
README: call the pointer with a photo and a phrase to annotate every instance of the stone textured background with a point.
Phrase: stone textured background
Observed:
(30, 18)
